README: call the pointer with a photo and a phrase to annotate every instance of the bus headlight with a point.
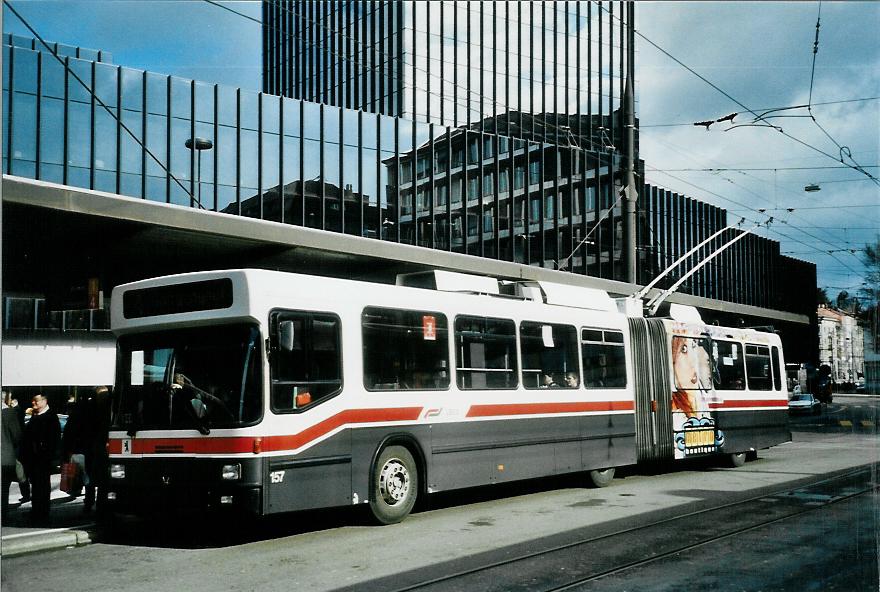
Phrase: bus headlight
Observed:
(117, 471)
(231, 472)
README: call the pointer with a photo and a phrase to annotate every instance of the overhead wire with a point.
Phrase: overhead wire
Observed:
(789, 209)
(834, 207)
(749, 208)
(856, 167)
(747, 190)
(764, 210)
(843, 150)
(758, 116)
(768, 109)
(735, 169)
(761, 197)
(815, 51)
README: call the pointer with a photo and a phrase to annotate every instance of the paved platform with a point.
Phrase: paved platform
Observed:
(67, 526)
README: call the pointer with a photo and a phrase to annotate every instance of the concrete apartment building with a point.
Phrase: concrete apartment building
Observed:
(841, 346)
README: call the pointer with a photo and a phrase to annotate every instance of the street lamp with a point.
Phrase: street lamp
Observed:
(199, 144)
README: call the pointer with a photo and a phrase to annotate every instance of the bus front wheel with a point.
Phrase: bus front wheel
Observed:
(602, 477)
(395, 485)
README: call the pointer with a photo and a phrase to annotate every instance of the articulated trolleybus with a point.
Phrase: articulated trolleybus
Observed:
(270, 392)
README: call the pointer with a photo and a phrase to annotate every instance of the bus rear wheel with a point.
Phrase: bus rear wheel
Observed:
(737, 459)
(395, 485)
(602, 477)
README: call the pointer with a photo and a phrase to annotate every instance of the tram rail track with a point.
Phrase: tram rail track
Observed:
(575, 564)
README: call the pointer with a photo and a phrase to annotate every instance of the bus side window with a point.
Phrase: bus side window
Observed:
(777, 369)
(485, 350)
(404, 349)
(758, 367)
(549, 356)
(310, 370)
(728, 359)
(604, 358)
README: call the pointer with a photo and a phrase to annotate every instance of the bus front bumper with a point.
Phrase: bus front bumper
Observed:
(168, 485)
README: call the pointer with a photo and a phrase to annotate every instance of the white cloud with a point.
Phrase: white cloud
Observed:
(761, 55)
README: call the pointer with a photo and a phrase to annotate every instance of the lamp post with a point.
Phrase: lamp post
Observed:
(199, 144)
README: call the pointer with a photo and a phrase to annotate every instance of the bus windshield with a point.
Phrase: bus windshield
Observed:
(202, 378)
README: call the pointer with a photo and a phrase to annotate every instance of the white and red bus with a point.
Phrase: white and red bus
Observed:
(272, 392)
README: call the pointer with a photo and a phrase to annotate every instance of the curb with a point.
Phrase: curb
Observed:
(44, 540)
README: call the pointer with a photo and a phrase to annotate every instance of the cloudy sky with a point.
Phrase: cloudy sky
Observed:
(760, 54)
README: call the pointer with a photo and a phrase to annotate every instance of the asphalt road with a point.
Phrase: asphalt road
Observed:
(832, 549)
(846, 414)
(831, 544)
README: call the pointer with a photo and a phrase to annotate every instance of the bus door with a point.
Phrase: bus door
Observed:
(650, 361)
(306, 372)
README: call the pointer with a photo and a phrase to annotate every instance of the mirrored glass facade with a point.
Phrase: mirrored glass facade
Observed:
(549, 200)
(456, 62)
(752, 271)
(468, 190)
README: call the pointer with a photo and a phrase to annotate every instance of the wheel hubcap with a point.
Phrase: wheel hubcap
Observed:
(393, 482)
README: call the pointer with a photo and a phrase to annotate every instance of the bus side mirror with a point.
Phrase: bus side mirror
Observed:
(285, 335)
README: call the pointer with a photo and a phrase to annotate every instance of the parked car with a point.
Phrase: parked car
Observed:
(804, 403)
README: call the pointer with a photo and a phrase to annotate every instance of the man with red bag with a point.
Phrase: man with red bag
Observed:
(85, 439)
(39, 443)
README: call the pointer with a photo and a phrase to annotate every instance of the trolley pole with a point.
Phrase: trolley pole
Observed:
(630, 188)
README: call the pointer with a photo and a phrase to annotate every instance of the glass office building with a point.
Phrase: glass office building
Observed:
(305, 163)
(468, 189)
(534, 180)
(506, 114)
(753, 271)
(454, 62)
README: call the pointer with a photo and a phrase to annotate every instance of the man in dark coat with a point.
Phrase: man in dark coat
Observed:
(39, 445)
(86, 434)
(24, 485)
(10, 442)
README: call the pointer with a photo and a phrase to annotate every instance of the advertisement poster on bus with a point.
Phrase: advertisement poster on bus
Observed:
(694, 368)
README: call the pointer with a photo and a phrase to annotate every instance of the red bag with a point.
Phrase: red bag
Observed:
(71, 479)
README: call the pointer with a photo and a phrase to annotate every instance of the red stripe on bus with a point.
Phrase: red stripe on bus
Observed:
(539, 408)
(749, 403)
(238, 445)
(350, 416)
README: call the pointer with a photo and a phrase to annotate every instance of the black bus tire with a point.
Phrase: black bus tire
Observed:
(602, 477)
(395, 485)
(736, 459)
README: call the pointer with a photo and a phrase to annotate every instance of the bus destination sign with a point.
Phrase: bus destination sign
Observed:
(177, 298)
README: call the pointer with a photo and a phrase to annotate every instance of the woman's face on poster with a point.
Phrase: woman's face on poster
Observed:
(691, 363)
(684, 362)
